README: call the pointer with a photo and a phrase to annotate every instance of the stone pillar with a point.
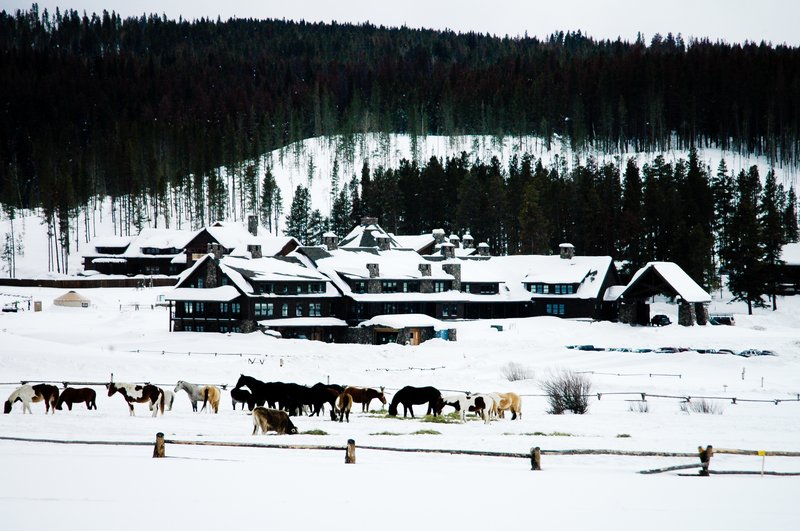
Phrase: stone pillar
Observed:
(701, 311)
(438, 236)
(383, 242)
(455, 240)
(467, 242)
(211, 276)
(483, 249)
(255, 250)
(330, 241)
(455, 270)
(686, 315)
(627, 313)
(426, 284)
(215, 249)
(448, 250)
(567, 251)
(252, 225)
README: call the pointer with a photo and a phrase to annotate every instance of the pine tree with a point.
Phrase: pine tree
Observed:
(298, 222)
(770, 214)
(746, 268)
(267, 207)
(790, 217)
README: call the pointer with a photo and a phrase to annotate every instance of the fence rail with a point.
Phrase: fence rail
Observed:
(534, 455)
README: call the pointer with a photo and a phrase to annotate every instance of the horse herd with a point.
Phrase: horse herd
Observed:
(284, 400)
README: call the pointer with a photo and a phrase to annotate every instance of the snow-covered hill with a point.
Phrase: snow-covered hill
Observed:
(310, 163)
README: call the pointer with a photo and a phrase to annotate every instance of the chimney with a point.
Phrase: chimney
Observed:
(567, 251)
(455, 270)
(438, 236)
(254, 250)
(383, 242)
(330, 241)
(455, 240)
(374, 270)
(368, 220)
(483, 249)
(425, 270)
(252, 224)
(467, 242)
(216, 250)
(448, 250)
(426, 284)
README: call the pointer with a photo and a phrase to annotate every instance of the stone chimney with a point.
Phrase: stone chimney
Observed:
(455, 240)
(383, 242)
(483, 249)
(216, 250)
(368, 220)
(426, 284)
(448, 250)
(455, 270)
(374, 270)
(425, 270)
(330, 241)
(438, 236)
(254, 250)
(252, 224)
(467, 242)
(567, 251)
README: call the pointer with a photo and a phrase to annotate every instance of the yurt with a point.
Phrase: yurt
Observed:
(73, 300)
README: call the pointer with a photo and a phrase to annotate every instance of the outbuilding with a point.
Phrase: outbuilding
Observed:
(72, 299)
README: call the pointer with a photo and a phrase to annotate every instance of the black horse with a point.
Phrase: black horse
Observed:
(262, 392)
(322, 394)
(290, 397)
(410, 396)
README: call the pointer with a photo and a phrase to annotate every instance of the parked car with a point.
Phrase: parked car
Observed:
(721, 319)
(660, 320)
(749, 352)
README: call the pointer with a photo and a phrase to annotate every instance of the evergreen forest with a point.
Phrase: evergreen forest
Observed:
(148, 110)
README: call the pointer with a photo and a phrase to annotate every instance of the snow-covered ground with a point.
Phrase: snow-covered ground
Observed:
(86, 486)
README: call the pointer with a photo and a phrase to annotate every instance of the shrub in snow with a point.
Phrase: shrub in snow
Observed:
(702, 406)
(567, 391)
(513, 372)
(639, 406)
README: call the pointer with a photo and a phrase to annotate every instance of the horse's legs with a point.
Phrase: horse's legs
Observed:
(130, 406)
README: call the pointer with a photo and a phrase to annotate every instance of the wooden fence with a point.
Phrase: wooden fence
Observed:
(534, 455)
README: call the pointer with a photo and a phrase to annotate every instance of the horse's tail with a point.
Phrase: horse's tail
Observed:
(161, 400)
(205, 398)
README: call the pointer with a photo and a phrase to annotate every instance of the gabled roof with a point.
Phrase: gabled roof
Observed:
(366, 235)
(665, 278)
(589, 272)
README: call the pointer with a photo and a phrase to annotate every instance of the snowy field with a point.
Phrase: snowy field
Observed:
(89, 486)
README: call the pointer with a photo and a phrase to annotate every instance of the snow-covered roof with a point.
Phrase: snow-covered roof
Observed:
(112, 241)
(229, 234)
(269, 269)
(159, 239)
(407, 320)
(791, 254)
(416, 242)
(682, 284)
(366, 235)
(392, 265)
(219, 294)
(588, 272)
(302, 322)
(613, 292)
(270, 245)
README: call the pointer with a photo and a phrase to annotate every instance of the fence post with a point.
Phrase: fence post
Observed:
(350, 453)
(158, 449)
(705, 459)
(536, 458)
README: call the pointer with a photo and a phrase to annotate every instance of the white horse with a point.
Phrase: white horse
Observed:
(169, 398)
(25, 394)
(206, 393)
(481, 404)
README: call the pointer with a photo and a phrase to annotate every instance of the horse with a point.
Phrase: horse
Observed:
(33, 393)
(242, 396)
(133, 393)
(74, 395)
(344, 404)
(206, 393)
(463, 402)
(262, 392)
(364, 395)
(322, 394)
(267, 419)
(169, 398)
(511, 402)
(410, 396)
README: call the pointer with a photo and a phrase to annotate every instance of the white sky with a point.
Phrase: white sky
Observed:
(729, 20)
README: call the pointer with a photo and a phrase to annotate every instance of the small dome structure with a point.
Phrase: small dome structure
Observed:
(72, 299)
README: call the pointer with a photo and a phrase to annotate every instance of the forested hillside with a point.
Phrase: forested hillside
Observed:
(171, 119)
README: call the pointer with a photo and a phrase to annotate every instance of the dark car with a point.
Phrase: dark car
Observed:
(660, 320)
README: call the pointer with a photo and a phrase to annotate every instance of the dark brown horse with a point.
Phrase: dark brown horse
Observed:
(365, 395)
(75, 395)
(343, 406)
(134, 393)
(411, 396)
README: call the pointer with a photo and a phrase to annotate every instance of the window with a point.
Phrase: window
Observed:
(263, 309)
(187, 328)
(285, 310)
(389, 307)
(200, 328)
(200, 282)
(299, 288)
(200, 307)
(389, 286)
(439, 286)
(236, 308)
(223, 329)
(449, 310)
(314, 309)
(554, 309)
(359, 286)
(224, 307)
(298, 310)
(188, 308)
(224, 281)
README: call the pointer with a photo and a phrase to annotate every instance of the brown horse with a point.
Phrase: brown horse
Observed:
(133, 393)
(364, 395)
(343, 405)
(73, 395)
(511, 402)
